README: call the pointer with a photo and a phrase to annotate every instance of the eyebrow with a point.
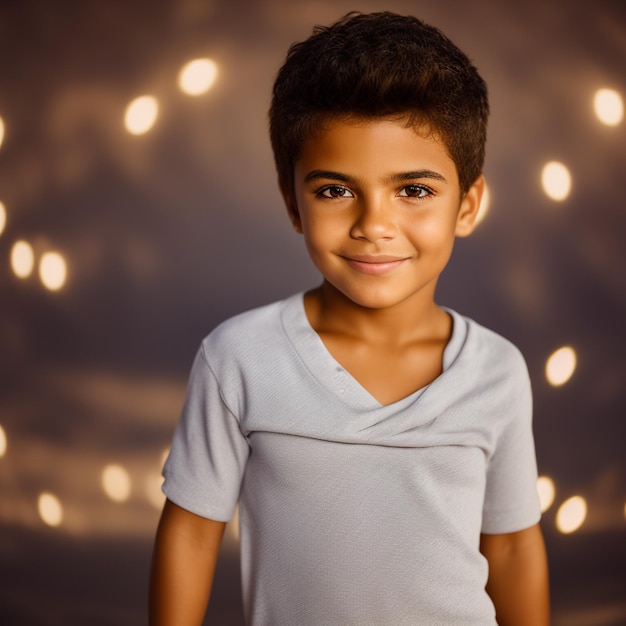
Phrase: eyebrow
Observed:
(328, 175)
(402, 176)
(418, 174)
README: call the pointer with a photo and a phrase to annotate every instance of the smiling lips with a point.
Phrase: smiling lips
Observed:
(374, 264)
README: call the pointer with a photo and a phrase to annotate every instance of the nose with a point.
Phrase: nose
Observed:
(373, 220)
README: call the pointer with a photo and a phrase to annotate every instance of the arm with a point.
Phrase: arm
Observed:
(183, 564)
(518, 577)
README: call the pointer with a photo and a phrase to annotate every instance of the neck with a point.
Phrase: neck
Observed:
(330, 311)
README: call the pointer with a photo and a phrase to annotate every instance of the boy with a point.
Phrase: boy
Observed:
(379, 446)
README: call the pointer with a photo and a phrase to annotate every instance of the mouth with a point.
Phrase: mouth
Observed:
(374, 264)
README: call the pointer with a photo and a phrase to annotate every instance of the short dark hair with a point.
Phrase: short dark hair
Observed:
(380, 65)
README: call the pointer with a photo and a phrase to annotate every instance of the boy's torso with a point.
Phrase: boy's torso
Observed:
(353, 512)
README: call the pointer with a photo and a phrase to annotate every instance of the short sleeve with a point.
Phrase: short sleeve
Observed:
(205, 466)
(511, 499)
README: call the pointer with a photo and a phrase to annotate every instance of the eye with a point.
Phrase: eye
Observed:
(415, 191)
(334, 191)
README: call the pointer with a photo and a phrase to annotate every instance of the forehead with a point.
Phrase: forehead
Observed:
(374, 147)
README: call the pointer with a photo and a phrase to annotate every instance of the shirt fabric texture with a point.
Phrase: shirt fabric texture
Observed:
(352, 512)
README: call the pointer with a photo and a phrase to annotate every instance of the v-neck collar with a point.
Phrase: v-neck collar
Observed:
(334, 377)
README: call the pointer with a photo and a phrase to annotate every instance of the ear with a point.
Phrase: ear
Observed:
(468, 211)
(292, 206)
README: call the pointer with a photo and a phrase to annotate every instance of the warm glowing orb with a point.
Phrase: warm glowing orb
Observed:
(560, 366)
(608, 106)
(197, 76)
(571, 514)
(116, 483)
(3, 217)
(233, 525)
(1, 131)
(141, 114)
(556, 181)
(52, 271)
(50, 509)
(153, 491)
(546, 491)
(485, 204)
(22, 259)
(3, 442)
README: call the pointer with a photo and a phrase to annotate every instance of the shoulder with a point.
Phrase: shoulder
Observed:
(489, 361)
(246, 335)
(244, 354)
(487, 345)
(489, 378)
(245, 325)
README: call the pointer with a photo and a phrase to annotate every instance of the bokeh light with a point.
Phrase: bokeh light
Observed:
(571, 514)
(50, 509)
(485, 204)
(22, 259)
(560, 366)
(608, 106)
(556, 181)
(197, 76)
(1, 131)
(3, 217)
(546, 491)
(153, 492)
(3, 442)
(116, 482)
(141, 114)
(233, 526)
(52, 271)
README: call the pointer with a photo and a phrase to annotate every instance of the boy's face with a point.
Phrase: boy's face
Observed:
(379, 206)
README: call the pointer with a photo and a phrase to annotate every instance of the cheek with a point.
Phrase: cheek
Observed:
(431, 231)
(317, 236)
(322, 229)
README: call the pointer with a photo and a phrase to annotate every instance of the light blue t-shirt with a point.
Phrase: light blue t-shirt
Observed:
(353, 512)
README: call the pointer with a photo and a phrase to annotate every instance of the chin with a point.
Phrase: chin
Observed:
(373, 299)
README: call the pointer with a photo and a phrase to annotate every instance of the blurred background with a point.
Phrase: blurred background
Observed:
(138, 208)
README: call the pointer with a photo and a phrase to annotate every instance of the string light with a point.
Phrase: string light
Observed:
(3, 217)
(546, 491)
(141, 114)
(560, 366)
(608, 106)
(556, 181)
(197, 76)
(571, 514)
(153, 492)
(116, 483)
(232, 528)
(485, 205)
(22, 259)
(50, 509)
(52, 271)
(3, 442)
(1, 131)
